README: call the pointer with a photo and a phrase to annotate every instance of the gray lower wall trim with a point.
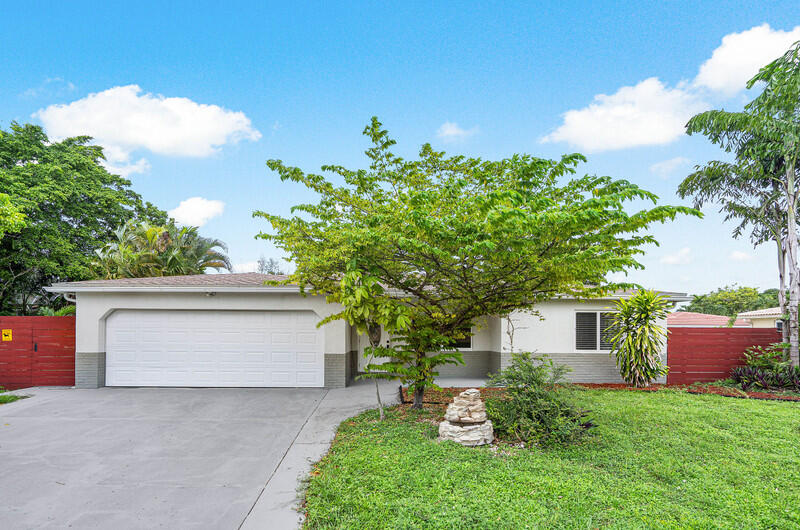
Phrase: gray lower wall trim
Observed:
(591, 367)
(476, 364)
(495, 362)
(336, 370)
(90, 369)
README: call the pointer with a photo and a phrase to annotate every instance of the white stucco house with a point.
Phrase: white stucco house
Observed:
(231, 330)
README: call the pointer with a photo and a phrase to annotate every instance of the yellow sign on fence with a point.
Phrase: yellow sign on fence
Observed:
(6, 335)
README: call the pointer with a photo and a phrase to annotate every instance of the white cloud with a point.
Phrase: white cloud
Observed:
(51, 86)
(123, 119)
(648, 113)
(248, 266)
(197, 211)
(738, 255)
(652, 113)
(682, 257)
(451, 132)
(666, 168)
(740, 56)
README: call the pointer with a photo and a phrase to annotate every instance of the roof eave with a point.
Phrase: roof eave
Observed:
(56, 288)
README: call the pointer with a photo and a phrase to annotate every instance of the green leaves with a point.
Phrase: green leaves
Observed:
(11, 218)
(638, 339)
(141, 250)
(425, 247)
(71, 205)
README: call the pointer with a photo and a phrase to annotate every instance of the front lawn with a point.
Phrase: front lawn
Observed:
(656, 459)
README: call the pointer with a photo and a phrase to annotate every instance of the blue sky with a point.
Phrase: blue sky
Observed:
(190, 100)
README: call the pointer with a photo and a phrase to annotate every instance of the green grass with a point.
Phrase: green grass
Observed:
(663, 459)
(7, 398)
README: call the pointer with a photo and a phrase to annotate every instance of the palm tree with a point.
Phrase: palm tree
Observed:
(142, 250)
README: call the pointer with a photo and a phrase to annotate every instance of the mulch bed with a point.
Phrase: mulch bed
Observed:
(446, 395)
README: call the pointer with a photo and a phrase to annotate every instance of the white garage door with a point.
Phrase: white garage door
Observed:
(214, 348)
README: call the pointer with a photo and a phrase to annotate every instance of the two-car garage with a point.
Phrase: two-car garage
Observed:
(208, 330)
(213, 348)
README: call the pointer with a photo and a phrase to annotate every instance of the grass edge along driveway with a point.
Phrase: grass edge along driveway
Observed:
(664, 459)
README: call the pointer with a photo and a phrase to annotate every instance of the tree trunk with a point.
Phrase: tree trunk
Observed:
(782, 294)
(794, 286)
(418, 395)
(380, 403)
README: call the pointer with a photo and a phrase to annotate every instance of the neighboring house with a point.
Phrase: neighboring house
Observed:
(232, 330)
(764, 318)
(687, 319)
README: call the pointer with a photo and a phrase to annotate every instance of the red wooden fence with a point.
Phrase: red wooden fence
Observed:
(709, 354)
(41, 351)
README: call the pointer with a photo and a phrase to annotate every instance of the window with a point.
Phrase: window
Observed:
(464, 343)
(592, 330)
(779, 325)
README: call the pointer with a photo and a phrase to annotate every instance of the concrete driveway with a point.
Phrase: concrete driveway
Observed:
(163, 457)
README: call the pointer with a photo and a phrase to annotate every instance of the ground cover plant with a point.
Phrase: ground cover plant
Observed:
(663, 458)
(7, 398)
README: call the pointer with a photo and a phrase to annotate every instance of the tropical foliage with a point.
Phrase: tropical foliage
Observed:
(71, 205)
(444, 240)
(11, 218)
(537, 407)
(732, 300)
(782, 377)
(765, 141)
(638, 339)
(142, 250)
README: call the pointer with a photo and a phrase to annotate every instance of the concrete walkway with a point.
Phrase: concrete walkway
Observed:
(277, 505)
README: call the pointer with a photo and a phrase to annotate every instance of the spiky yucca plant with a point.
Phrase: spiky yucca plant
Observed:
(637, 339)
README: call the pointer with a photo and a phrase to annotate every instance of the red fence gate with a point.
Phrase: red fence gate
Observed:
(709, 354)
(37, 351)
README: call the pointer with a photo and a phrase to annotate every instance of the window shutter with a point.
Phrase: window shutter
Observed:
(585, 331)
(606, 319)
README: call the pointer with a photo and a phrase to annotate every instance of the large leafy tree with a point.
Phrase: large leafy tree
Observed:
(732, 300)
(765, 139)
(141, 250)
(71, 206)
(425, 247)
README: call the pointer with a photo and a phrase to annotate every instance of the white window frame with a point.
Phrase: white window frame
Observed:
(599, 330)
(779, 324)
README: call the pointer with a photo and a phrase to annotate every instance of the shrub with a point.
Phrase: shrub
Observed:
(784, 377)
(537, 407)
(637, 340)
(768, 357)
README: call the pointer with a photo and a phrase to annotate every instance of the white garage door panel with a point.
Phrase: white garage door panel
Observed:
(214, 348)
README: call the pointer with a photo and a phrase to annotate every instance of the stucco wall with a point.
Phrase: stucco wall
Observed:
(478, 360)
(94, 308)
(767, 322)
(553, 333)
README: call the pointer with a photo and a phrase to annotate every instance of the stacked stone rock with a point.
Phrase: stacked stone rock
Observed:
(465, 421)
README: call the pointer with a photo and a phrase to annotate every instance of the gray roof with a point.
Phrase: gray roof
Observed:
(237, 281)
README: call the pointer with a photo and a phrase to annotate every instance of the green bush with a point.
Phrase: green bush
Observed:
(537, 407)
(766, 357)
(638, 339)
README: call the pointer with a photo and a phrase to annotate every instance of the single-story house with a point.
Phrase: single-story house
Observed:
(232, 330)
(764, 318)
(688, 319)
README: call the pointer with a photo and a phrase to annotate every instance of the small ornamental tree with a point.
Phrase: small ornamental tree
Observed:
(637, 338)
(438, 242)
